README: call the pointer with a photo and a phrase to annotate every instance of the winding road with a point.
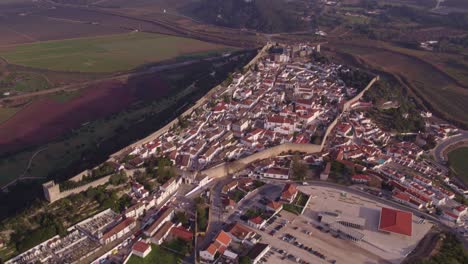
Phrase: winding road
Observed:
(439, 150)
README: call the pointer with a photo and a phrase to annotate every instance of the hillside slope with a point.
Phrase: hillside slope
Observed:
(261, 15)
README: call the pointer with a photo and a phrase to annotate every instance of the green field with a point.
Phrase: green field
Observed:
(107, 53)
(157, 256)
(458, 162)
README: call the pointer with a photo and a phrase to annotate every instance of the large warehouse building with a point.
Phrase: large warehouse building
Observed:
(396, 221)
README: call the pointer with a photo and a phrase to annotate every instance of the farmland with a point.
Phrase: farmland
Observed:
(437, 90)
(106, 54)
(457, 160)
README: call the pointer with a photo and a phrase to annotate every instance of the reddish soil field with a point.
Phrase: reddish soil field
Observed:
(47, 119)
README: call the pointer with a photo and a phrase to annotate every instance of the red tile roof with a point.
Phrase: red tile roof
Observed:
(396, 221)
(402, 196)
(256, 220)
(140, 246)
(182, 233)
(212, 249)
(223, 238)
(274, 205)
(360, 177)
(289, 191)
(240, 231)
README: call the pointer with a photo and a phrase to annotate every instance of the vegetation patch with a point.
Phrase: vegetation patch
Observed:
(157, 255)
(42, 221)
(180, 246)
(451, 251)
(203, 213)
(15, 82)
(340, 173)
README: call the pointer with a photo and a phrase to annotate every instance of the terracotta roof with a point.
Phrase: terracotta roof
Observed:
(289, 190)
(182, 233)
(274, 205)
(256, 220)
(140, 246)
(452, 215)
(402, 196)
(212, 249)
(240, 231)
(223, 238)
(396, 221)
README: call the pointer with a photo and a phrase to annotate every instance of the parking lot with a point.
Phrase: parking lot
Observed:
(298, 239)
(287, 251)
(295, 240)
(390, 247)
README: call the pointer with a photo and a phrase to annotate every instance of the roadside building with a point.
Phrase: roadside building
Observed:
(326, 172)
(256, 222)
(258, 251)
(229, 187)
(162, 233)
(451, 217)
(209, 253)
(361, 178)
(220, 244)
(274, 207)
(117, 231)
(242, 234)
(180, 233)
(141, 249)
(289, 192)
(277, 173)
(165, 216)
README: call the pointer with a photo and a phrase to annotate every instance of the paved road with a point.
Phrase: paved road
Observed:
(216, 220)
(438, 151)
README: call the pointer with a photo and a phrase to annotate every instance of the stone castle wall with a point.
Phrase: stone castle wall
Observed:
(52, 191)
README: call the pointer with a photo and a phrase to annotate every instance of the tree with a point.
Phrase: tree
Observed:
(182, 218)
(118, 178)
(299, 168)
(245, 260)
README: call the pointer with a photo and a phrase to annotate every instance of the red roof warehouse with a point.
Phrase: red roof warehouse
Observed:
(396, 221)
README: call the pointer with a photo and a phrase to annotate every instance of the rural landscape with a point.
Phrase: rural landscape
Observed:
(140, 114)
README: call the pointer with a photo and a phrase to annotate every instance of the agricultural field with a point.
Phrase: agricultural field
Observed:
(108, 53)
(433, 86)
(458, 162)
